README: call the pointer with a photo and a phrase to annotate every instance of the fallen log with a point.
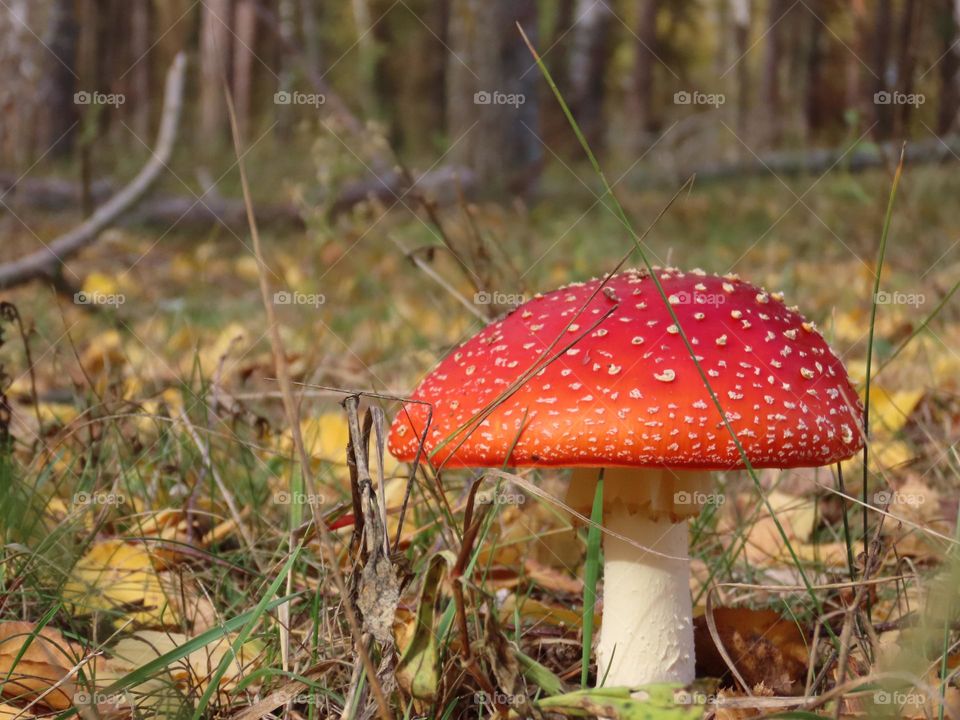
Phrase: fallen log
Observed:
(199, 213)
(816, 161)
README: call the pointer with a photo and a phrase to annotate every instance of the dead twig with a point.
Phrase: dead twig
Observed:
(290, 410)
(49, 262)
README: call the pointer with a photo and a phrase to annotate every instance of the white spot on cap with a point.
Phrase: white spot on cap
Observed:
(667, 375)
(846, 433)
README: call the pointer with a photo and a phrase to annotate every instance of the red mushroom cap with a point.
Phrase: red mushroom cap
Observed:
(618, 386)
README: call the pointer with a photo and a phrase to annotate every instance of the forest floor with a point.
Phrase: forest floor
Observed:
(152, 538)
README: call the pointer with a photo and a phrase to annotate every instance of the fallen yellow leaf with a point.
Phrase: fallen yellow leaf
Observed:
(118, 578)
(33, 661)
(195, 670)
(890, 410)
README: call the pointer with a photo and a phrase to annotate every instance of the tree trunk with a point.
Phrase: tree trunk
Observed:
(139, 63)
(644, 109)
(906, 63)
(741, 32)
(366, 50)
(587, 64)
(411, 94)
(286, 28)
(858, 99)
(492, 108)
(244, 54)
(19, 56)
(948, 27)
(60, 81)
(214, 67)
(813, 108)
(311, 33)
(562, 39)
(770, 99)
(880, 64)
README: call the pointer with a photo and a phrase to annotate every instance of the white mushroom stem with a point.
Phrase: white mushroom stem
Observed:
(647, 631)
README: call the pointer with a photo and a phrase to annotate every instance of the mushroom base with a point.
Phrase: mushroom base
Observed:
(647, 630)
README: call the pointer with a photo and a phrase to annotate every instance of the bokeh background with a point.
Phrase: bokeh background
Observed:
(412, 176)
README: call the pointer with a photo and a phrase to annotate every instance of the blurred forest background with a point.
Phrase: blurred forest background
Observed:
(412, 176)
(711, 83)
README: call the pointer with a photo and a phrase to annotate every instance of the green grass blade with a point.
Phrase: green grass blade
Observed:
(144, 672)
(878, 271)
(918, 329)
(247, 628)
(591, 574)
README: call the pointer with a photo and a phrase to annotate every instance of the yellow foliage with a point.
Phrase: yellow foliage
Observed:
(325, 438)
(890, 410)
(195, 670)
(99, 284)
(118, 578)
(103, 352)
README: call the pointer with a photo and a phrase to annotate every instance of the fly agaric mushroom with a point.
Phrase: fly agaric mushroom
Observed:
(596, 375)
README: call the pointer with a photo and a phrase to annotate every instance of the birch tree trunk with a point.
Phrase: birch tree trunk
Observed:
(60, 81)
(492, 83)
